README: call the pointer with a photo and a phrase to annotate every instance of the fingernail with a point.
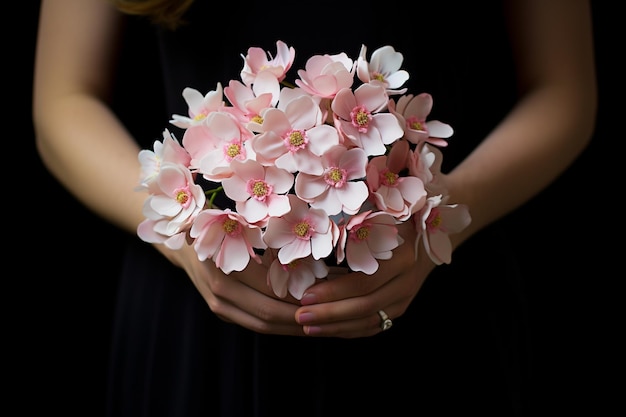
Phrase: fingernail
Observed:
(308, 299)
(312, 330)
(305, 317)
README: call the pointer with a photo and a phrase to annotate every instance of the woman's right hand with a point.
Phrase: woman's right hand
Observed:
(243, 297)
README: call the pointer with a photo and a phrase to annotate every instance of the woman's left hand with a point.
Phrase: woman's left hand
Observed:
(347, 304)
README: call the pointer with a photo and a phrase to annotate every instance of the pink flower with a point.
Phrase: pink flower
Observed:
(419, 162)
(199, 106)
(302, 232)
(220, 141)
(425, 163)
(325, 166)
(288, 94)
(226, 237)
(250, 101)
(294, 139)
(434, 225)
(397, 195)
(257, 60)
(296, 276)
(359, 116)
(412, 113)
(340, 188)
(366, 237)
(259, 192)
(148, 231)
(384, 68)
(171, 211)
(325, 75)
(170, 150)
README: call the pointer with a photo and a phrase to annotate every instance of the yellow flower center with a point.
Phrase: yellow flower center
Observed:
(390, 178)
(301, 229)
(436, 221)
(259, 189)
(230, 226)
(362, 118)
(233, 150)
(182, 196)
(417, 125)
(335, 175)
(363, 233)
(296, 138)
(199, 116)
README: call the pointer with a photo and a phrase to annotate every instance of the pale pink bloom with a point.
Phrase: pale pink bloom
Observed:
(295, 277)
(359, 116)
(366, 237)
(222, 141)
(425, 163)
(400, 196)
(199, 106)
(419, 162)
(434, 225)
(294, 139)
(226, 237)
(302, 232)
(201, 139)
(169, 150)
(383, 67)
(150, 161)
(340, 187)
(259, 192)
(170, 212)
(257, 60)
(147, 231)
(325, 75)
(287, 94)
(250, 101)
(412, 112)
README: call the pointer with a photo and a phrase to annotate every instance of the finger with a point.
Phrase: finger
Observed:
(370, 325)
(253, 276)
(354, 317)
(363, 327)
(341, 285)
(392, 297)
(253, 310)
(355, 284)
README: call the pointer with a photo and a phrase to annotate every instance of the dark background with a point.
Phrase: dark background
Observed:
(60, 297)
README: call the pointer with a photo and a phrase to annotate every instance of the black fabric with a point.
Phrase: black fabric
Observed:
(462, 347)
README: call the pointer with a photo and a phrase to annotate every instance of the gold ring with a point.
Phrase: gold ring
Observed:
(385, 321)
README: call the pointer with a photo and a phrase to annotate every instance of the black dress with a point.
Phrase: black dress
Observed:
(462, 346)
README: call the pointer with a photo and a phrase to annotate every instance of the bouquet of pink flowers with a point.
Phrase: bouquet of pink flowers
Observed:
(325, 168)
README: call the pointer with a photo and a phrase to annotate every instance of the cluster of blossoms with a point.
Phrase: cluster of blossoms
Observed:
(327, 167)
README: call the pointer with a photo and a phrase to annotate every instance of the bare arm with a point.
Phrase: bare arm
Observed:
(544, 133)
(78, 137)
(91, 153)
(552, 123)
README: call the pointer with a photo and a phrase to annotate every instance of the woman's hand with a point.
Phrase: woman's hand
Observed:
(243, 297)
(347, 305)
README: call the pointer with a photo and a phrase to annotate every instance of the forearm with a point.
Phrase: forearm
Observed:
(551, 124)
(79, 138)
(533, 146)
(87, 149)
